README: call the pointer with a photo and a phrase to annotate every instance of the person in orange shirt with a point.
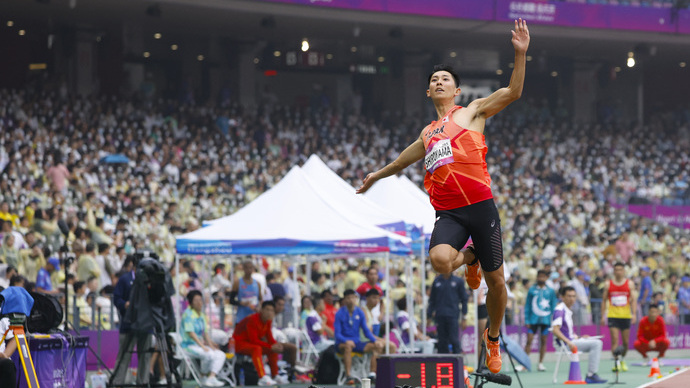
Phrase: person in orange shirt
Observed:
(651, 334)
(253, 337)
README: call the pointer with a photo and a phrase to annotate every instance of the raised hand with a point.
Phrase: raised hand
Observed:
(368, 182)
(520, 36)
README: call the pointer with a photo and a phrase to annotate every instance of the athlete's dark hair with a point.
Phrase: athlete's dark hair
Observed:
(654, 306)
(565, 289)
(448, 68)
(619, 264)
(542, 272)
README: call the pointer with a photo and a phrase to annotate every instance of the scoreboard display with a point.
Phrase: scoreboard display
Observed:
(420, 370)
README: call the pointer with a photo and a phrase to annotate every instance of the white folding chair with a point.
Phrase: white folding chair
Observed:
(308, 352)
(188, 366)
(360, 366)
(561, 350)
(402, 347)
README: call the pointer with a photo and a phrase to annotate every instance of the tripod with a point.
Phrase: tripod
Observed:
(17, 322)
(163, 345)
(483, 375)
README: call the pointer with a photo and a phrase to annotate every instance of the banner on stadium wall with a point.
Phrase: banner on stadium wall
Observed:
(535, 11)
(462, 9)
(679, 336)
(587, 15)
(678, 216)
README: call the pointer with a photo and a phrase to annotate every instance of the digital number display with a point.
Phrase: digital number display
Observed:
(424, 374)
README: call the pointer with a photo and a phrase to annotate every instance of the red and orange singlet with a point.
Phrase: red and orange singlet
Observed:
(455, 163)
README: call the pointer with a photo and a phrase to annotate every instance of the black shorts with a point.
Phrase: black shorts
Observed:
(620, 323)
(479, 220)
(482, 312)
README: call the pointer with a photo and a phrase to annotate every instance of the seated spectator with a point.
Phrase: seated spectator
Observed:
(253, 337)
(329, 311)
(562, 325)
(651, 334)
(44, 283)
(316, 329)
(422, 343)
(372, 310)
(196, 339)
(372, 279)
(320, 307)
(349, 323)
(307, 307)
(17, 281)
(10, 272)
(286, 336)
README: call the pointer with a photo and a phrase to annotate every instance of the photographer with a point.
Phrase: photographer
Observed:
(121, 296)
(8, 371)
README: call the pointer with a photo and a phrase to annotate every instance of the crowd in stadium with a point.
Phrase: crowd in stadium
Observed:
(63, 193)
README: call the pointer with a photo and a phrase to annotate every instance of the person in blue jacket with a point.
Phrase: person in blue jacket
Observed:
(350, 321)
(539, 305)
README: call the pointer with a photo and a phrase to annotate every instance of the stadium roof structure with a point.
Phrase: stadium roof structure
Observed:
(292, 218)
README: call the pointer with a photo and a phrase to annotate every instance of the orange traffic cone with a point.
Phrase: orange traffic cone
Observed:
(575, 376)
(655, 372)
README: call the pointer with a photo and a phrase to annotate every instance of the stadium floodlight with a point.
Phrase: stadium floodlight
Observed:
(631, 59)
(305, 45)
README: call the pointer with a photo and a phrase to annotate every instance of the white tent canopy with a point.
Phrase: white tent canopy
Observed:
(290, 218)
(399, 198)
(333, 188)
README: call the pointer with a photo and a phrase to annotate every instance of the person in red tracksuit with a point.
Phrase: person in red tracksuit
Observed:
(253, 337)
(651, 334)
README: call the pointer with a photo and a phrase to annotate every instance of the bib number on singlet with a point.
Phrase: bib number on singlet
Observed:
(619, 300)
(439, 155)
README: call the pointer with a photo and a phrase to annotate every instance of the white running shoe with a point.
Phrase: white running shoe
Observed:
(541, 367)
(281, 379)
(266, 380)
(213, 382)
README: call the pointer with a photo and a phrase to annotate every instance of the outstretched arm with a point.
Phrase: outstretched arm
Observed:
(411, 154)
(497, 101)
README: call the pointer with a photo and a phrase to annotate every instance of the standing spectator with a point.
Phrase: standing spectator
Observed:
(684, 300)
(277, 289)
(220, 279)
(646, 290)
(58, 174)
(372, 279)
(539, 306)
(580, 307)
(292, 295)
(253, 337)
(447, 294)
(248, 292)
(350, 323)
(562, 326)
(87, 265)
(625, 247)
(651, 334)
(596, 293)
(196, 339)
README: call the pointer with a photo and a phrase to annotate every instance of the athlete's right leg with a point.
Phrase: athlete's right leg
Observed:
(496, 300)
(446, 259)
(448, 237)
(615, 333)
(542, 347)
